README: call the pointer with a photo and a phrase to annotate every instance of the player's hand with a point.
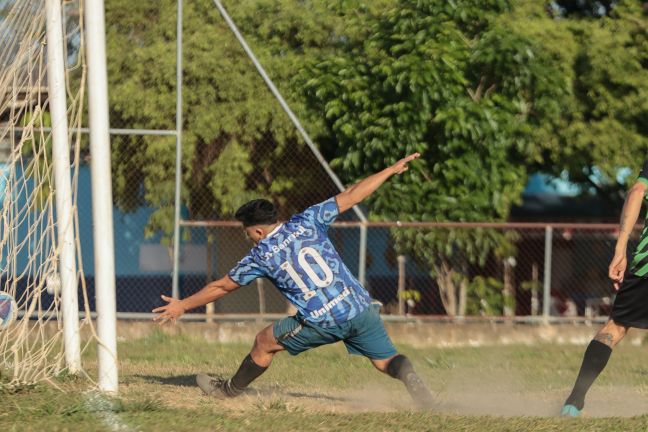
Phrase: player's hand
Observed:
(617, 269)
(170, 312)
(401, 166)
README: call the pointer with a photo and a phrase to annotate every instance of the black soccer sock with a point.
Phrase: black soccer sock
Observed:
(594, 361)
(401, 368)
(246, 373)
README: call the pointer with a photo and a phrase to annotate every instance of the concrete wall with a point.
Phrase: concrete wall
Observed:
(417, 334)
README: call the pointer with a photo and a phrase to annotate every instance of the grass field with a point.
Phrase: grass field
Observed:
(485, 389)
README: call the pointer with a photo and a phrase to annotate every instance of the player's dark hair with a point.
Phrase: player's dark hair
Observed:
(257, 212)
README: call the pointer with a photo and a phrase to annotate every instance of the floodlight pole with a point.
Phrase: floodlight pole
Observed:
(62, 186)
(175, 286)
(102, 208)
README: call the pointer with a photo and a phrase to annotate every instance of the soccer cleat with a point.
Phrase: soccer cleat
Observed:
(570, 411)
(419, 392)
(218, 387)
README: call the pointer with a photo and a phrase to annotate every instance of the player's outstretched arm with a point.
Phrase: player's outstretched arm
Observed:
(629, 216)
(211, 292)
(361, 190)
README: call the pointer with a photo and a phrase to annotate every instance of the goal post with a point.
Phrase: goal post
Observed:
(102, 211)
(39, 270)
(62, 186)
(42, 89)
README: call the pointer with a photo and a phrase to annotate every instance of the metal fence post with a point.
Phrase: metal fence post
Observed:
(535, 302)
(362, 259)
(262, 303)
(546, 290)
(401, 284)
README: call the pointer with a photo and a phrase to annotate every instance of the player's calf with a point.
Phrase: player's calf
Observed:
(595, 359)
(401, 368)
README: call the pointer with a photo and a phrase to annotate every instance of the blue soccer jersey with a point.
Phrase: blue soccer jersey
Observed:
(299, 258)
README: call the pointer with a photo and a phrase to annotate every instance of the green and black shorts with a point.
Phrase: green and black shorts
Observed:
(631, 303)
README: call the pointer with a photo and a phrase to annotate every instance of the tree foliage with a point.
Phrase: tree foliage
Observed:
(237, 143)
(446, 80)
(603, 124)
(486, 90)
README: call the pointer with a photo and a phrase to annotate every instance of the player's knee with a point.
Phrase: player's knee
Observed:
(399, 367)
(611, 334)
(261, 341)
(381, 365)
(617, 329)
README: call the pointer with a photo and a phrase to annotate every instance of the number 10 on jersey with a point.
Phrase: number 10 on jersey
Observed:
(308, 269)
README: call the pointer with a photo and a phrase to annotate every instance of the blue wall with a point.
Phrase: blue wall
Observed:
(128, 229)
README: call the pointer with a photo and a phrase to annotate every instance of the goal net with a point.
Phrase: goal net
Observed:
(31, 346)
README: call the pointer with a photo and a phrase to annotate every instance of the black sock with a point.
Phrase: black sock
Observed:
(594, 361)
(246, 373)
(401, 368)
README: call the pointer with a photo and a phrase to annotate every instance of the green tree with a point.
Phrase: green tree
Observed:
(485, 297)
(447, 80)
(604, 61)
(237, 142)
(486, 90)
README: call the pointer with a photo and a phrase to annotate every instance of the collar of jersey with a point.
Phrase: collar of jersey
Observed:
(274, 231)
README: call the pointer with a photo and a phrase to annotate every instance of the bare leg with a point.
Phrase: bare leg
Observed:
(381, 365)
(611, 333)
(265, 347)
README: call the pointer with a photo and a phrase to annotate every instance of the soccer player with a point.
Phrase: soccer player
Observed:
(301, 261)
(631, 304)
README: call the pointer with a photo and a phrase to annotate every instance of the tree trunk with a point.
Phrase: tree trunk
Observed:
(447, 288)
(463, 295)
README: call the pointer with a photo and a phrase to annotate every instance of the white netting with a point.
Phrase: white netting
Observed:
(31, 349)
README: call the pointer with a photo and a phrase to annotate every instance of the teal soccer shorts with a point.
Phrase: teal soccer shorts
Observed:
(363, 335)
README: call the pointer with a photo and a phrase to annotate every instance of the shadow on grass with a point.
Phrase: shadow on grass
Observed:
(316, 396)
(190, 381)
(275, 391)
(178, 380)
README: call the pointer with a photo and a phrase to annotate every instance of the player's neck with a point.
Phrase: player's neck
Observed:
(269, 229)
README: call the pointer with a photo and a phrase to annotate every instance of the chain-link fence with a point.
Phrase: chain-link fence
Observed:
(452, 283)
(239, 144)
(406, 282)
(416, 269)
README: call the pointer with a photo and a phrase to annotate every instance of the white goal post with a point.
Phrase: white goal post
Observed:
(102, 206)
(62, 186)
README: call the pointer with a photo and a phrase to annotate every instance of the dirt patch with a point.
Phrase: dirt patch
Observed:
(601, 402)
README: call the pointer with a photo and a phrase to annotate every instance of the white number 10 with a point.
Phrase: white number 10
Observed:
(305, 265)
